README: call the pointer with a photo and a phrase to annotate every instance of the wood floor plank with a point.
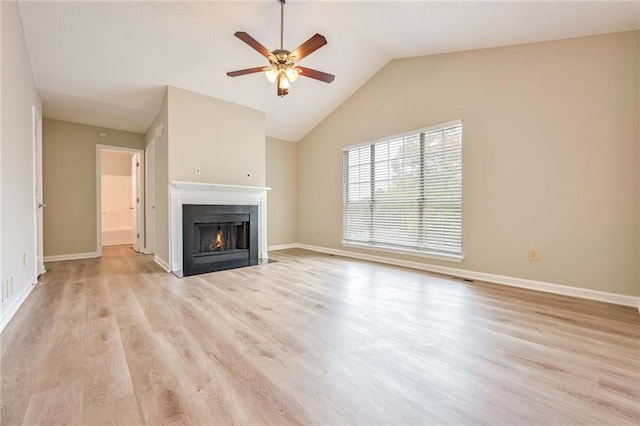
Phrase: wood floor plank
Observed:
(59, 405)
(22, 359)
(163, 393)
(109, 396)
(310, 339)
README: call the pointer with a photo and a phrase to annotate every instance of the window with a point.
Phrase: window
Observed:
(405, 192)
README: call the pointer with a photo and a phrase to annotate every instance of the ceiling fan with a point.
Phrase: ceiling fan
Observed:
(282, 67)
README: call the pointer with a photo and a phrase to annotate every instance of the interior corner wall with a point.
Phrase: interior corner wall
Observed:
(19, 95)
(549, 155)
(161, 225)
(225, 140)
(282, 199)
(69, 183)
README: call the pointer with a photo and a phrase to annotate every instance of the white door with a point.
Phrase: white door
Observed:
(150, 197)
(135, 201)
(37, 153)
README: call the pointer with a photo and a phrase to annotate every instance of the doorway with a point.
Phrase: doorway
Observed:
(119, 193)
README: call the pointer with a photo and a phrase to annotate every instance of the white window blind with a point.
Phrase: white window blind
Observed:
(406, 192)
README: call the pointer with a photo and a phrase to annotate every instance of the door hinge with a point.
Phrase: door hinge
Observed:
(137, 200)
(137, 164)
(138, 236)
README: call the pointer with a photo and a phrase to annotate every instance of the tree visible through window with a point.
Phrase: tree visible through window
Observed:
(406, 192)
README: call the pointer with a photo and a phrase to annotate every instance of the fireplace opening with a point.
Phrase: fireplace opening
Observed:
(217, 237)
(222, 237)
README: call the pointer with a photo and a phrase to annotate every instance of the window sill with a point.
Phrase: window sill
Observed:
(429, 255)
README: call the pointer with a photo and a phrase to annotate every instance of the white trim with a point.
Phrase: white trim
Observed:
(74, 256)
(199, 186)
(282, 247)
(387, 249)
(98, 201)
(117, 243)
(9, 313)
(428, 129)
(164, 265)
(582, 293)
(150, 197)
(38, 213)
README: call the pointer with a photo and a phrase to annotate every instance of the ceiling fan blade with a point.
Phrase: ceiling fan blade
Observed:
(315, 74)
(309, 46)
(253, 43)
(246, 71)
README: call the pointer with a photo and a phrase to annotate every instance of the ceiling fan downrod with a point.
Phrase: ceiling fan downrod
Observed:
(282, 2)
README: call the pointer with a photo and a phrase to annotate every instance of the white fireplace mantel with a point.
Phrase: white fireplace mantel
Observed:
(213, 194)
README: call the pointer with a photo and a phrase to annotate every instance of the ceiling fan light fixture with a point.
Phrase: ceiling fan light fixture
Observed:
(292, 74)
(271, 74)
(284, 83)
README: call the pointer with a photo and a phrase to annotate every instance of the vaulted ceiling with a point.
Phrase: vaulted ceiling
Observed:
(106, 63)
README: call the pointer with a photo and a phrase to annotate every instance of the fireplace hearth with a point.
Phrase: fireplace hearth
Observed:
(218, 237)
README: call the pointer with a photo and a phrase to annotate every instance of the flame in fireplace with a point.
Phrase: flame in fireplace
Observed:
(218, 242)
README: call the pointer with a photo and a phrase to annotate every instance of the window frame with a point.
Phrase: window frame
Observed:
(453, 257)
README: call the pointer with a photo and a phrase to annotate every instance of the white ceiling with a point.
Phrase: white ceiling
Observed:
(106, 63)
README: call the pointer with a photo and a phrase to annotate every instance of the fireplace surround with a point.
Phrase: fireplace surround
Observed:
(208, 194)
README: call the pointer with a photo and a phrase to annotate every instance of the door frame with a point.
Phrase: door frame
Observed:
(38, 204)
(150, 197)
(140, 179)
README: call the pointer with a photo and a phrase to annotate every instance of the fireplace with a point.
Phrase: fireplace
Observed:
(218, 237)
(206, 195)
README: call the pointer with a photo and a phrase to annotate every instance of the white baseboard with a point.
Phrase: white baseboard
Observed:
(75, 256)
(282, 247)
(583, 293)
(164, 265)
(11, 311)
(116, 243)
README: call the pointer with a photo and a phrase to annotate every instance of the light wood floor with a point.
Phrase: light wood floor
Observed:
(311, 339)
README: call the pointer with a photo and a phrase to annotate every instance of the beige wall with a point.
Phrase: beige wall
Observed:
(19, 94)
(69, 174)
(226, 140)
(161, 226)
(282, 178)
(550, 155)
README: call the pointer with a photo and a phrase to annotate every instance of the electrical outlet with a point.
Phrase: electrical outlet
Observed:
(7, 287)
(534, 255)
(249, 175)
(197, 171)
